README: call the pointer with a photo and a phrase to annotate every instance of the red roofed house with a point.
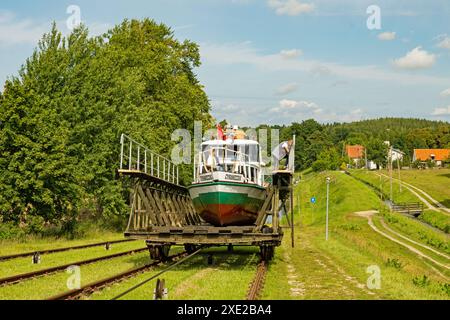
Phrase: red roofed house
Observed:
(356, 153)
(436, 155)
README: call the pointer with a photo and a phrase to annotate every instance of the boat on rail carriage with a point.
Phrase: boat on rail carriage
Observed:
(228, 187)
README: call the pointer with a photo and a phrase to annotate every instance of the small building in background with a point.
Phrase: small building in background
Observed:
(355, 153)
(435, 155)
(397, 154)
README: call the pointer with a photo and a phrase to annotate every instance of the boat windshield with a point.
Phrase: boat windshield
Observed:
(231, 158)
(248, 153)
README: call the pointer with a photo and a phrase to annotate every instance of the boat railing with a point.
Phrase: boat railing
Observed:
(136, 157)
(238, 162)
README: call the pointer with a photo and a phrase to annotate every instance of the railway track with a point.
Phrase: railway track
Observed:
(256, 286)
(90, 288)
(47, 251)
(34, 274)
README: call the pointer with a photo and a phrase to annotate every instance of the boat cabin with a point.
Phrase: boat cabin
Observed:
(231, 160)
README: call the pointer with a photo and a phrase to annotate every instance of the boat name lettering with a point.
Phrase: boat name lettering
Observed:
(233, 177)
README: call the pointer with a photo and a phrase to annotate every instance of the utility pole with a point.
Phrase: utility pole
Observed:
(365, 156)
(328, 196)
(381, 187)
(399, 178)
(390, 172)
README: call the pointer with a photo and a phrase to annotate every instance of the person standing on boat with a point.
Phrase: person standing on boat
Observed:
(220, 133)
(281, 152)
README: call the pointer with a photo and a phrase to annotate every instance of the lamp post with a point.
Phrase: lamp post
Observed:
(328, 196)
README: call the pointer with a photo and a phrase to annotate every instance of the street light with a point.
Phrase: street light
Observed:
(328, 194)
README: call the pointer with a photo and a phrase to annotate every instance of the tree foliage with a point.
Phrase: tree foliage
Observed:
(62, 117)
(322, 146)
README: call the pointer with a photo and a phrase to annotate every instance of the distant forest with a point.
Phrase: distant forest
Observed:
(322, 145)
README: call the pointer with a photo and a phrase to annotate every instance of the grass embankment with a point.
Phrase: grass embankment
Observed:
(381, 184)
(435, 182)
(337, 269)
(35, 243)
(436, 219)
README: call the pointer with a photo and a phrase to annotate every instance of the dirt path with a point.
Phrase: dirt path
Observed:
(313, 275)
(434, 201)
(412, 241)
(369, 214)
(425, 201)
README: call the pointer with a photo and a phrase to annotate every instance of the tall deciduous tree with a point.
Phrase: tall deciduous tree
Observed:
(62, 117)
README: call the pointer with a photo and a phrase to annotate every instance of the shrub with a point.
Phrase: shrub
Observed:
(445, 287)
(350, 227)
(9, 230)
(395, 263)
(422, 281)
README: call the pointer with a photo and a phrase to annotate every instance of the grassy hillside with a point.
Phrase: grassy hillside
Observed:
(434, 182)
(337, 268)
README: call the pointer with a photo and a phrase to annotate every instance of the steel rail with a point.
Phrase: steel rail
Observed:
(257, 284)
(98, 285)
(46, 251)
(34, 274)
(157, 275)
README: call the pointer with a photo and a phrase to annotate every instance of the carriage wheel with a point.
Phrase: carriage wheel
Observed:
(159, 252)
(190, 248)
(267, 252)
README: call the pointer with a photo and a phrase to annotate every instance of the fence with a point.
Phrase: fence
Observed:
(136, 157)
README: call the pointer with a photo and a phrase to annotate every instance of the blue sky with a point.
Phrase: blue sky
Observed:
(279, 61)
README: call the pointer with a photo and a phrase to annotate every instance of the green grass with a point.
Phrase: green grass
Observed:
(435, 182)
(436, 219)
(417, 231)
(353, 247)
(32, 243)
(44, 287)
(23, 265)
(227, 278)
(382, 185)
(377, 220)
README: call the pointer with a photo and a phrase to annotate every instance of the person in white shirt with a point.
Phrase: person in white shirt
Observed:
(280, 152)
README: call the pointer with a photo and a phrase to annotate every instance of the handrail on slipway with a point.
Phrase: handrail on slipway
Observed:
(137, 157)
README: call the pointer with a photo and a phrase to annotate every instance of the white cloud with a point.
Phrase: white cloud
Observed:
(353, 115)
(292, 106)
(290, 7)
(288, 88)
(291, 54)
(14, 31)
(416, 59)
(244, 53)
(387, 36)
(444, 42)
(441, 111)
(318, 71)
(288, 104)
(445, 93)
